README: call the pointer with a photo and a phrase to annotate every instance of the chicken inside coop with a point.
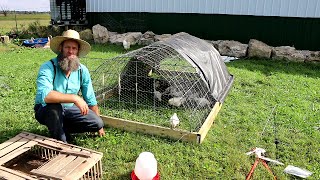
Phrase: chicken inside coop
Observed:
(182, 75)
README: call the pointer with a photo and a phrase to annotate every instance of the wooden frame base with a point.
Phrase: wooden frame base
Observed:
(177, 134)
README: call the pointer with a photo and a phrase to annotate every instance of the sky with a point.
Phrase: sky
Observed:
(25, 5)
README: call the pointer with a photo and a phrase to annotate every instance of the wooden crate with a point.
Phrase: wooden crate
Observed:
(30, 156)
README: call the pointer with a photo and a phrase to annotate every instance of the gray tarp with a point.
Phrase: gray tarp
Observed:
(206, 59)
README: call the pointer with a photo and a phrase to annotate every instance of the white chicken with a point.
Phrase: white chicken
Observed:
(126, 44)
(176, 101)
(174, 120)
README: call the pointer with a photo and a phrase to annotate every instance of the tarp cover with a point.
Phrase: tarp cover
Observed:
(206, 59)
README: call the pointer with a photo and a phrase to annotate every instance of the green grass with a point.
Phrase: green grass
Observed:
(270, 100)
(10, 22)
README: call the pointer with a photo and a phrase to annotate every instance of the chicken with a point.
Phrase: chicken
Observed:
(173, 91)
(174, 120)
(202, 102)
(157, 95)
(176, 101)
(126, 44)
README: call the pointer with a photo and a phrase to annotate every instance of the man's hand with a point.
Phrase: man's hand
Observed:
(101, 132)
(82, 105)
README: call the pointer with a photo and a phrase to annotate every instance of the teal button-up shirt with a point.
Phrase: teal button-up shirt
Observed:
(63, 84)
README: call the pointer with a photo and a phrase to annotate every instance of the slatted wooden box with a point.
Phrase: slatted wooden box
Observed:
(30, 156)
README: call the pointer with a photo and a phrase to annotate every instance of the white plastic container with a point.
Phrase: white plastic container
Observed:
(146, 166)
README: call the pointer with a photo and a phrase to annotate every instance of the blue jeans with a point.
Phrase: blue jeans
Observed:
(63, 121)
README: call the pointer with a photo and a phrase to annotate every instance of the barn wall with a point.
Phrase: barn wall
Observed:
(283, 8)
(54, 10)
(301, 33)
(70, 11)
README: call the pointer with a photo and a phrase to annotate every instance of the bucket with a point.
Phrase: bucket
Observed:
(145, 167)
(134, 177)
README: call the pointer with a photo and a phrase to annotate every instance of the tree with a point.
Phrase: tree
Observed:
(4, 10)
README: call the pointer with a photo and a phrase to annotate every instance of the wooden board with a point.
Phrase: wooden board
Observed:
(9, 142)
(11, 174)
(134, 126)
(24, 148)
(208, 122)
(83, 168)
(13, 146)
(72, 166)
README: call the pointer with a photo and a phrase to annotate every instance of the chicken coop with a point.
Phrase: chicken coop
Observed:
(142, 89)
(29, 156)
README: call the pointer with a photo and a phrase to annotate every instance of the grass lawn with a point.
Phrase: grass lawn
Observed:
(8, 23)
(270, 101)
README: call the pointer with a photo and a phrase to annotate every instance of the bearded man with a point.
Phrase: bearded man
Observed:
(57, 103)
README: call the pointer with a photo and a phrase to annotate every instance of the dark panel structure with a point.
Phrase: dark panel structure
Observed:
(275, 31)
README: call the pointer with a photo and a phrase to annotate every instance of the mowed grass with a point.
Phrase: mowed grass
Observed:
(11, 22)
(270, 101)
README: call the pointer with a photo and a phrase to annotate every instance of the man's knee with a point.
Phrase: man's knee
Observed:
(98, 123)
(54, 108)
(53, 115)
(50, 111)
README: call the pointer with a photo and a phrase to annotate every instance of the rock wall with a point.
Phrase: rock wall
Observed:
(254, 48)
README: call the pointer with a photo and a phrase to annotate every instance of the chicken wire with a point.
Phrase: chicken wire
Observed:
(151, 84)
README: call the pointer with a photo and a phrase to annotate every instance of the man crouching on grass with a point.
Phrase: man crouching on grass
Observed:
(57, 104)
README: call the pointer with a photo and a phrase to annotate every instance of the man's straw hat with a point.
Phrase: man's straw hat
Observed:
(70, 34)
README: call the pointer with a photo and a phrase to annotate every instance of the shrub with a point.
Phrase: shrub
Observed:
(35, 30)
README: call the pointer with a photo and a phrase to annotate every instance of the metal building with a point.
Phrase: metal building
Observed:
(276, 22)
(68, 12)
(283, 8)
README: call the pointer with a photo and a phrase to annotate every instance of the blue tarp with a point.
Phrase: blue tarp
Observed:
(35, 42)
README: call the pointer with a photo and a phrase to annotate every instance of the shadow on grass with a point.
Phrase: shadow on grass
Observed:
(269, 67)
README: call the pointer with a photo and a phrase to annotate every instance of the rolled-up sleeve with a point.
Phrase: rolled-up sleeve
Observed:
(87, 88)
(44, 83)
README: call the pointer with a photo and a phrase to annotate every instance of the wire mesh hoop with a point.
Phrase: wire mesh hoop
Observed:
(183, 75)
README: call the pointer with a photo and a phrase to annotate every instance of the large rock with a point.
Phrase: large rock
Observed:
(313, 56)
(162, 37)
(288, 53)
(100, 34)
(215, 44)
(117, 39)
(259, 49)
(147, 38)
(132, 37)
(86, 35)
(232, 48)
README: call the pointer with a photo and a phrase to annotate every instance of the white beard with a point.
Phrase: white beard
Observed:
(67, 64)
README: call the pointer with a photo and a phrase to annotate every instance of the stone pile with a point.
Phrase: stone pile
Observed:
(254, 48)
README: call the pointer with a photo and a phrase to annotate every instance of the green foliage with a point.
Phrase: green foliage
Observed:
(270, 100)
(36, 30)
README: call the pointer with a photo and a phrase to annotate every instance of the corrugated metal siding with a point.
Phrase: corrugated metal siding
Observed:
(284, 8)
(58, 13)
(54, 10)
